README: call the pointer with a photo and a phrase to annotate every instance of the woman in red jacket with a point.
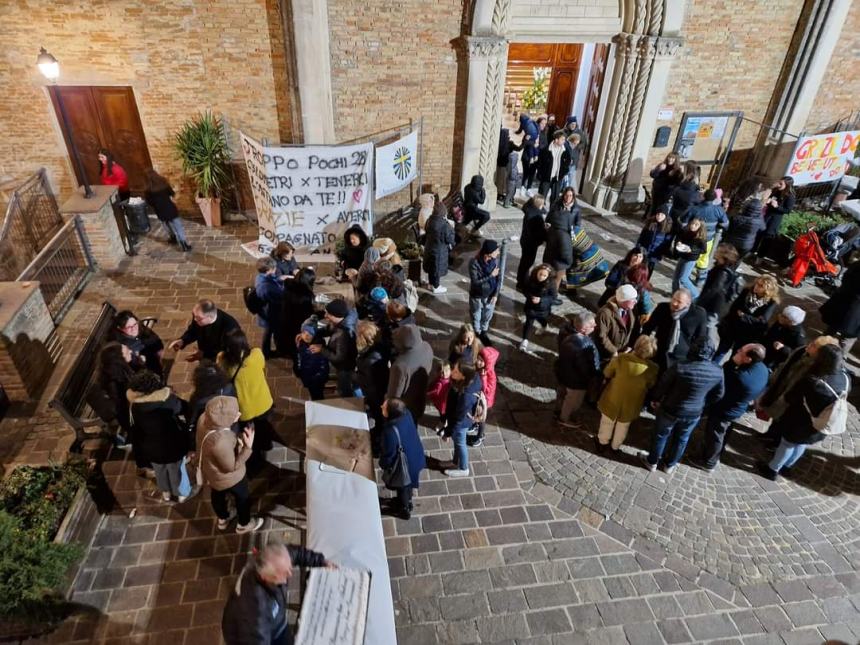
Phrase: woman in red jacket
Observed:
(112, 174)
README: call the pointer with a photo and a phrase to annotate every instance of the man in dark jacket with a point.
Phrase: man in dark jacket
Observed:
(473, 196)
(677, 324)
(841, 312)
(410, 371)
(553, 164)
(532, 235)
(270, 291)
(399, 431)
(438, 242)
(784, 336)
(256, 610)
(208, 328)
(340, 350)
(680, 397)
(745, 377)
(576, 368)
(485, 280)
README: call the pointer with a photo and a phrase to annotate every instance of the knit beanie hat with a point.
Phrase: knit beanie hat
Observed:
(378, 294)
(222, 411)
(626, 292)
(337, 308)
(310, 326)
(489, 246)
(794, 315)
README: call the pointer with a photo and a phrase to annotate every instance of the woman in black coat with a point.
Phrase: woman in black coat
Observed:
(438, 242)
(400, 430)
(159, 196)
(298, 306)
(473, 196)
(532, 235)
(371, 375)
(665, 176)
(720, 288)
(827, 380)
(686, 194)
(748, 316)
(841, 312)
(618, 274)
(115, 372)
(563, 217)
(540, 295)
(209, 381)
(145, 345)
(784, 336)
(354, 243)
(780, 203)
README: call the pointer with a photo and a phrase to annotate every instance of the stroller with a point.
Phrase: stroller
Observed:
(808, 254)
(840, 244)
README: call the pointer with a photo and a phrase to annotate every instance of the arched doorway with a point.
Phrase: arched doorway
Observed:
(643, 36)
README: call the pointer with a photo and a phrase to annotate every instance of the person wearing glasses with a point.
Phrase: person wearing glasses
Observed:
(145, 345)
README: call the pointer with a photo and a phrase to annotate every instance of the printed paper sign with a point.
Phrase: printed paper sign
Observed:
(822, 157)
(396, 165)
(309, 195)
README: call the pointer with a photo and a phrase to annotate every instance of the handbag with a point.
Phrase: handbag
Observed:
(397, 475)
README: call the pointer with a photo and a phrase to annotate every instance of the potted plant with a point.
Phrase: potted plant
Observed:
(202, 147)
(411, 253)
(535, 97)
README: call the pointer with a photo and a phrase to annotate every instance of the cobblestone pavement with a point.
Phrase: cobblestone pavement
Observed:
(545, 542)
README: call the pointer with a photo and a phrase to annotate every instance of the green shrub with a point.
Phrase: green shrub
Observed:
(40, 497)
(30, 569)
(410, 251)
(202, 147)
(795, 223)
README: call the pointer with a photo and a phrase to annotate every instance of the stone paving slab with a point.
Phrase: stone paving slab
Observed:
(520, 552)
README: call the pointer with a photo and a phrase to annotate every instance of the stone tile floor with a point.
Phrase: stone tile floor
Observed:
(545, 543)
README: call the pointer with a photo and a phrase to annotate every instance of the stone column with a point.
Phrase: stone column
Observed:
(313, 68)
(487, 58)
(99, 224)
(28, 343)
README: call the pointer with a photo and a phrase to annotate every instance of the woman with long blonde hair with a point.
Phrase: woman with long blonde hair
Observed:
(749, 315)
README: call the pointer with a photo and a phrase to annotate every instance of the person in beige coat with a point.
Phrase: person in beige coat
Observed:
(616, 322)
(222, 456)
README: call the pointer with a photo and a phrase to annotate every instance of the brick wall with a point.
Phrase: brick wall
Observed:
(392, 62)
(180, 57)
(839, 94)
(731, 59)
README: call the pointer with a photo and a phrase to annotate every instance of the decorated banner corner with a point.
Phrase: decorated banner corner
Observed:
(396, 165)
(309, 195)
(822, 157)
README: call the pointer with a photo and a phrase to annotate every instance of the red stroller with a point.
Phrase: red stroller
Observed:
(808, 254)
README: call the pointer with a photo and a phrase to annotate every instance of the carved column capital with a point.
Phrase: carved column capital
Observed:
(668, 47)
(625, 43)
(486, 47)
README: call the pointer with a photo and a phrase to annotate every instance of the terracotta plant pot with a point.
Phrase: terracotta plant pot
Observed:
(211, 209)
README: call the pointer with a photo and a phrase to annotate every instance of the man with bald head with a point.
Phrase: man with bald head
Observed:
(745, 377)
(256, 611)
(676, 324)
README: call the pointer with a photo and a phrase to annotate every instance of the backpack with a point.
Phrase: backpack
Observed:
(479, 413)
(411, 294)
(253, 302)
(833, 418)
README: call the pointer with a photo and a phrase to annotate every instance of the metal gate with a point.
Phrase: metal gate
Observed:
(36, 245)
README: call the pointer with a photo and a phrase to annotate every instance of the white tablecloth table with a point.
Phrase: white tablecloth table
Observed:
(344, 522)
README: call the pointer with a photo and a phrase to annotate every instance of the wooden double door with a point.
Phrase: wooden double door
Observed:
(564, 60)
(103, 117)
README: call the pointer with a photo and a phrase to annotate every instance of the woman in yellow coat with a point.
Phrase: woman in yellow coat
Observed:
(630, 376)
(246, 369)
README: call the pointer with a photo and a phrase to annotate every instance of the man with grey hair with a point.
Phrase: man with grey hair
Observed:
(577, 366)
(256, 610)
(676, 325)
(745, 376)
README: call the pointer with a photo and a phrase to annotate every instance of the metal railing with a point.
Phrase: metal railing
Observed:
(32, 218)
(62, 268)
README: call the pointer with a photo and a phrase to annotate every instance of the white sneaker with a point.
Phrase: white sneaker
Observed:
(440, 289)
(524, 345)
(223, 524)
(193, 492)
(253, 525)
(166, 497)
(457, 472)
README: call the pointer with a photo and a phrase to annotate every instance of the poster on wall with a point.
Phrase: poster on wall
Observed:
(822, 157)
(701, 137)
(309, 195)
(396, 165)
